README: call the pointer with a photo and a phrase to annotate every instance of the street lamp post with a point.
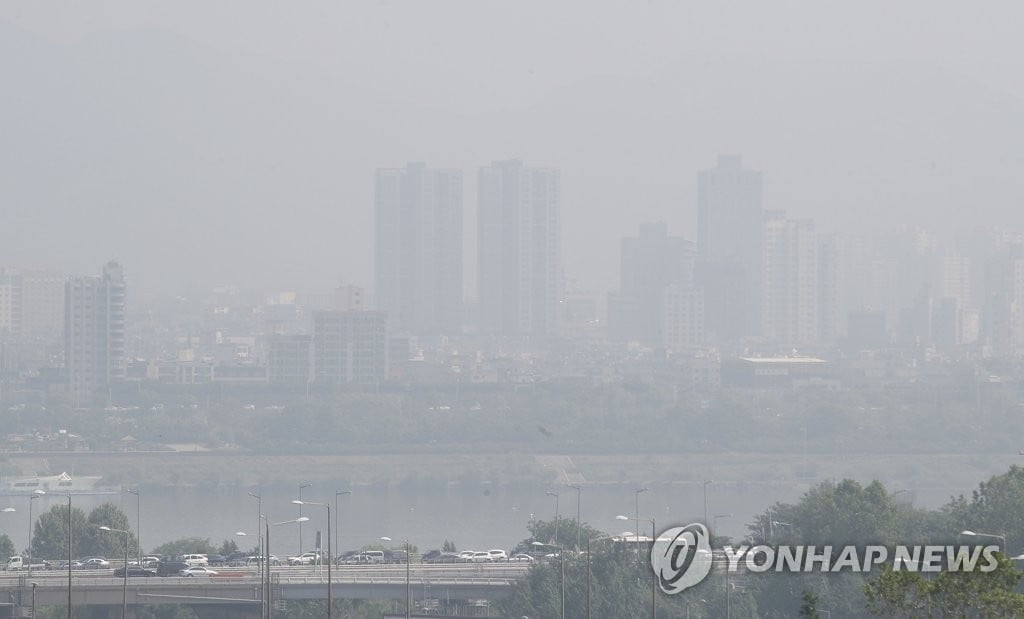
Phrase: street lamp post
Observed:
(337, 511)
(124, 588)
(408, 581)
(259, 572)
(555, 494)
(330, 581)
(301, 486)
(138, 524)
(636, 512)
(34, 584)
(1002, 538)
(579, 524)
(259, 547)
(706, 482)
(654, 579)
(561, 579)
(69, 555)
(35, 495)
(267, 570)
(589, 577)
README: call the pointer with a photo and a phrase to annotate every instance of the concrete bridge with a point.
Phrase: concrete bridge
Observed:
(236, 593)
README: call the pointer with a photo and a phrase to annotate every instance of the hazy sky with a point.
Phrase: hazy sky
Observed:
(235, 142)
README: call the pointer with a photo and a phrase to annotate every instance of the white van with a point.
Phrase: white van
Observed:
(195, 559)
(371, 556)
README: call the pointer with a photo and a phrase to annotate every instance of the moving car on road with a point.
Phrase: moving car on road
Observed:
(96, 563)
(134, 572)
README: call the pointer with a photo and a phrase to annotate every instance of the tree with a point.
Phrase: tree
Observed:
(448, 546)
(810, 606)
(620, 587)
(6, 547)
(544, 531)
(896, 593)
(50, 534)
(994, 507)
(96, 541)
(950, 594)
(227, 547)
(186, 545)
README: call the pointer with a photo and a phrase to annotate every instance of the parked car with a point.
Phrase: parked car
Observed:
(436, 556)
(215, 559)
(498, 555)
(522, 558)
(134, 572)
(466, 556)
(481, 557)
(257, 560)
(96, 563)
(198, 570)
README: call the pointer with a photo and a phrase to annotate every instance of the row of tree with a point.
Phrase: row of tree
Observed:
(832, 513)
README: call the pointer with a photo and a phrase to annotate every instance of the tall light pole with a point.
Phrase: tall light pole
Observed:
(1002, 538)
(579, 524)
(330, 581)
(654, 578)
(408, 581)
(636, 512)
(267, 571)
(259, 546)
(337, 511)
(589, 577)
(138, 523)
(555, 494)
(259, 568)
(69, 555)
(124, 589)
(35, 495)
(301, 486)
(706, 482)
(561, 580)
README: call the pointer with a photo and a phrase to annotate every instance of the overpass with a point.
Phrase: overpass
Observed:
(236, 593)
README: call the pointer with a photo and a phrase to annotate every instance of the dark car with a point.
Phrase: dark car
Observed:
(395, 556)
(170, 568)
(216, 559)
(133, 572)
(236, 558)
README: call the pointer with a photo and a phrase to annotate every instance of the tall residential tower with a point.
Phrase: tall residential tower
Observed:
(418, 270)
(519, 249)
(94, 333)
(729, 218)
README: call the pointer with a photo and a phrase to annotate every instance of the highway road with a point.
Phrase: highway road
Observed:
(417, 571)
(242, 586)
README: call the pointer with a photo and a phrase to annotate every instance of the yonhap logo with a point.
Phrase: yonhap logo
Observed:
(681, 557)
